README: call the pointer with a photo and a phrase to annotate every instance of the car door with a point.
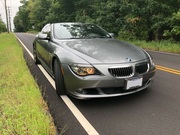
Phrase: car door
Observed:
(44, 48)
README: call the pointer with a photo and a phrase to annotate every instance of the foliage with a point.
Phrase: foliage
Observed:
(21, 20)
(61, 11)
(38, 10)
(129, 19)
(2, 26)
(174, 31)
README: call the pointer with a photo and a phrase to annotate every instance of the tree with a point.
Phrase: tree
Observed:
(147, 20)
(2, 26)
(131, 19)
(108, 16)
(84, 10)
(174, 30)
(21, 20)
(38, 10)
(61, 11)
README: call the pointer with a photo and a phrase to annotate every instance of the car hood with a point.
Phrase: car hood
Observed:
(105, 50)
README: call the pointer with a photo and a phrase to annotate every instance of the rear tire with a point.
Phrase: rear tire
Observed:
(59, 79)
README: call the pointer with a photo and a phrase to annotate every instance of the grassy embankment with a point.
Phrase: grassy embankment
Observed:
(164, 46)
(22, 109)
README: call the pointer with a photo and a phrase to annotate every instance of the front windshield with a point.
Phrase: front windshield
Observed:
(76, 31)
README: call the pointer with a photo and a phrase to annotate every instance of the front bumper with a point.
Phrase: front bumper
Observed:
(97, 86)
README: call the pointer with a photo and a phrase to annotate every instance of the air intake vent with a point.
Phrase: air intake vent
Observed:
(141, 68)
(121, 71)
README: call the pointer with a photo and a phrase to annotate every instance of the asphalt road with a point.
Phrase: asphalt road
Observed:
(154, 111)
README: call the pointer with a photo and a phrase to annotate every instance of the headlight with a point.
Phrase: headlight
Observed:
(84, 70)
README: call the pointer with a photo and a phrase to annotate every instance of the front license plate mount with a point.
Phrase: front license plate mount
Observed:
(133, 83)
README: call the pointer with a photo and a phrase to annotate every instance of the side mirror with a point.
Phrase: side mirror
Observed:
(112, 35)
(43, 36)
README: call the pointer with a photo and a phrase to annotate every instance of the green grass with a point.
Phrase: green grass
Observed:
(165, 46)
(22, 109)
(32, 32)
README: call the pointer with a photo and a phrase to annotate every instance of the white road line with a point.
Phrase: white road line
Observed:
(25, 47)
(83, 121)
(79, 116)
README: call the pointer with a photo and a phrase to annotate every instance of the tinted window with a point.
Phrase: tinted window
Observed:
(71, 31)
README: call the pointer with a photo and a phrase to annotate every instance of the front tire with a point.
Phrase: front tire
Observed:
(59, 79)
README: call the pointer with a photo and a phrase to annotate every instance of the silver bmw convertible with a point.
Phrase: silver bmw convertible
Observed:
(87, 62)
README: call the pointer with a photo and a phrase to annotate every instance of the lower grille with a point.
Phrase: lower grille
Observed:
(121, 71)
(141, 68)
